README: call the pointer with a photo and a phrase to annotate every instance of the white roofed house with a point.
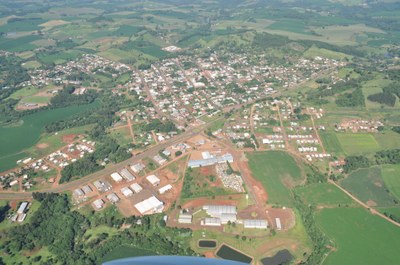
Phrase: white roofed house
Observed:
(113, 198)
(136, 187)
(164, 189)
(153, 180)
(116, 177)
(150, 206)
(127, 175)
(127, 192)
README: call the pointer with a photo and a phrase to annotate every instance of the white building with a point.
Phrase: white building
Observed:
(136, 187)
(113, 198)
(165, 189)
(127, 175)
(218, 210)
(150, 206)
(211, 221)
(255, 223)
(278, 224)
(22, 208)
(98, 204)
(116, 177)
(153, 180)
(127, 191)
(185, 218)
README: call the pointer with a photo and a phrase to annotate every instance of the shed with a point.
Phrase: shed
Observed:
(153, 180)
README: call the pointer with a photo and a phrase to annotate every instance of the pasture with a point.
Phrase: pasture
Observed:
(323, 194)
(357, 143)
(360, 238)
(368, 186)
(331, 142)
(278, 172)
(391, 177)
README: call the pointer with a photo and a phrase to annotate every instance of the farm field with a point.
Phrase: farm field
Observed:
(331, 142)
(278, 172)
(359, 143)
(368, 186)
(360, 238)
(391, 177)
(323, 194)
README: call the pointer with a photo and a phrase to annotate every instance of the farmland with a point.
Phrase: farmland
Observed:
(390, 175)
(331, 142)
(360, 238)
(278, 172)
(323, 194)
(357, 143)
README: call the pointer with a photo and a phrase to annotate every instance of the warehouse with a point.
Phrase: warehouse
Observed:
(165, 189)
(210, 160)
(150, 206)
(228, 217)
(127, 192)
(78, 193)
(153, 180)
(116, 177)
(22, 208)
(127, 175)
(113, 198)
(136, 188)
(185, 218)
(87, 189)
(278, 224)
(211, 221)
(102, 185)
(255, 223)
(137, 167)
(218, 210)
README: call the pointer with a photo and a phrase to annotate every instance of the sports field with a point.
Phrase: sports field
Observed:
(360, 238)
(278, 172)
(359, 143)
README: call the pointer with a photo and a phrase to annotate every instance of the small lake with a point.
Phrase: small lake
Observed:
(226, 252)
(15, 139)
(207, 243)
(282, 257)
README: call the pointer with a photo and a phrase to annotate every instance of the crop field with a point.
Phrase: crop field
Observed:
(388, 139)
(324, 194)
(18, 44)
(278, 172)
(391, 177)
(360, 238)
(331, 142)
(359, 143)
(368, 186)
(59, 58)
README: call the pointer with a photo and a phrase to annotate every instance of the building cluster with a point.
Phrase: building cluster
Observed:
(20, 215)
(358, 125)
(71, 153)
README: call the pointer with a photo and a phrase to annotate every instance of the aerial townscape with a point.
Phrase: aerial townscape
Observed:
(265, 132)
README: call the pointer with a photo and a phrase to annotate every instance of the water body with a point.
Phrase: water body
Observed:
(280, 258)
(15, 139)
(172, 260)
(207, 243)
(227, 252)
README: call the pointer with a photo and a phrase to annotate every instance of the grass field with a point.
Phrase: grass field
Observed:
(278, 172)
(122, 136)
(331, 142)
(359, 143)
(388, 139)
(323, 194)
(391, 177)
(361, 238)
(24, 92)
(126, 251)
(368, 186)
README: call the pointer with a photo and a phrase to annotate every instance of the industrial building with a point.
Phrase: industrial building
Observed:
(78, 193)
(255, 223)
(153, 180)
(209, 160)
(185, 218)
(113, 198)
(22, 208)
(218, 210)
(136, 188)
(116, 177)
(138, 167)
(102, 185)
(87, 189)
(165, 189)
(211, 221)
(127, 175)
(127, 192)
(227, 217)
(98, 204)
(150, 206)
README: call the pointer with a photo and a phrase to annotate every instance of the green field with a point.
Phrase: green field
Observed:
(13, 140)
(391, 177)
(331, 143)
(323, 194)
(360, 238)
(278, 172)
(359, 143)
(368, 186)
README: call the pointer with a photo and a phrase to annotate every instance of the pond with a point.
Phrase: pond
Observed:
(227, 252)
(15, 139)
(282, 257)
(207, 243)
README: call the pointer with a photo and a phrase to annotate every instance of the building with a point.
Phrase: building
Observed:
(87, 189)
(102, 185)
(218, 210)
(22, 208)
(78, 193)
(113, 198)
(150, 206)
(127, 175)
(165, 189)
(185, 218)
(228, 217)
(98, 204)
(211, 221)
(116, 177)
(136, 187)
(210, 160)
(138, 167)
(278, 224)
(21, 217)
(255, 223)
(127, 192)
(153, 180)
